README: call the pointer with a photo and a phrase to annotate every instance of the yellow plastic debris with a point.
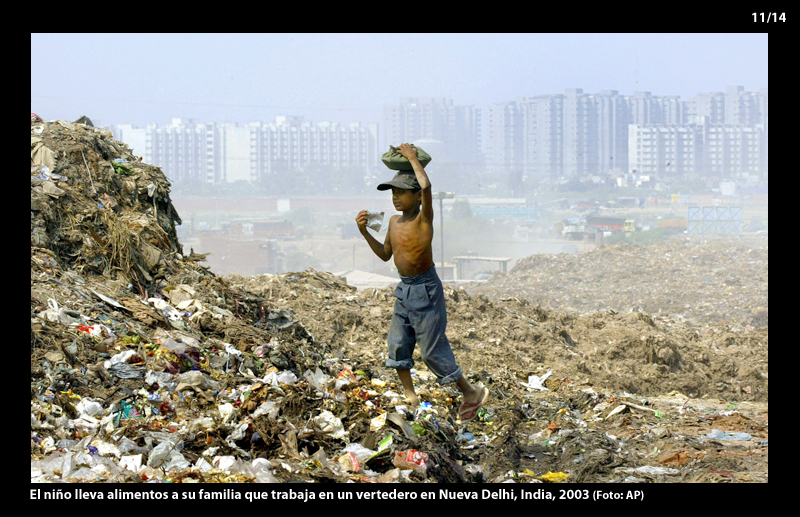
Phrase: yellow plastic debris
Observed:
(554, 477)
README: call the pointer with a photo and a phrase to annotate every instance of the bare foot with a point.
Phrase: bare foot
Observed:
(408, 387)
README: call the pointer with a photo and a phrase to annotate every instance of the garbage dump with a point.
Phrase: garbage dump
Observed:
(709, 279)
(146, 366)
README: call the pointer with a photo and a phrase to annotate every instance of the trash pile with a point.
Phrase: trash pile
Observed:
(716, 279)
(148, 367)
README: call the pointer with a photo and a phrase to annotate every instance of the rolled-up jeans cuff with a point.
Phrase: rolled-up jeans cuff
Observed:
(453, 377)
(405, 364)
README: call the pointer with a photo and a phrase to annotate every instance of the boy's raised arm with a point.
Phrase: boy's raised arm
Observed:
(422, 178)
(383, 251)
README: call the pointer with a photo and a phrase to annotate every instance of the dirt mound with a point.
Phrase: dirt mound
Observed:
(635, 351)
(711, 280)
(145, 365)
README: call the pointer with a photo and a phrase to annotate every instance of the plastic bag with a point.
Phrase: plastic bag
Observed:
(259, 469)
(89, 407)
(537, 383)
(285, 377)
(224, 463)
(327, 423)
(395, 475)
(126, 371)
(317, 379)
(716, 434)
(204, 424)
(166, 455)
(375, 221)
(227, 411)
(360, 452)
(173, 346)
(648, 470)
(131, 462)
(270, 408)
(127, 445)
(52, 465)
(198, 379)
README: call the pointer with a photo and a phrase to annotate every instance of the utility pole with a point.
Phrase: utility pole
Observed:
(442, 196)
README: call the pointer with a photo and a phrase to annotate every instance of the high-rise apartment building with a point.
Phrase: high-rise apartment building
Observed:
(580, 134)
(576, 134)
(426, 118)
(645, 108)
(710, 106)
(184, 150)
(570, 134)
(733, 106)
(667, 150)
(611, 115)
(725, 134)
(711, 150)
(732, 149)
(542, 134)
(505, 135)
(224, 153)
(291, 143)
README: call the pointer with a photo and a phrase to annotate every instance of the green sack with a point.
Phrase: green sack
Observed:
(398, 162)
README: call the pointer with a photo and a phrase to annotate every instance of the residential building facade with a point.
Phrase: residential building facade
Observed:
(702, 148)
(224, 153)
(576, 134)
(430, 118)
(561, 136)
(292, 143)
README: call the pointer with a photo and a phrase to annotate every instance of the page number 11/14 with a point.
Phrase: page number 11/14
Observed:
(769, 17)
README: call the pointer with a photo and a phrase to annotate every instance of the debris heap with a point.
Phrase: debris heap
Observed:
(705, 281)
(148, 367)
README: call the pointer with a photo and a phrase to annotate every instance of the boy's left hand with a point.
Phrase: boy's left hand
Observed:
(407, 151)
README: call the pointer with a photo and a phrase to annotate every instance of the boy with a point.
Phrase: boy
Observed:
(419, 316)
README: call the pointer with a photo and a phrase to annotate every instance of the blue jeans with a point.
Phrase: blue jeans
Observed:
(420, 318)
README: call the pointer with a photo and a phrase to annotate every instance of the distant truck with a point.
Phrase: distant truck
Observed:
(629, 225)
(606, 223)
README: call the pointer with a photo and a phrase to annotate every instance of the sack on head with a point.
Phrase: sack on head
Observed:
(398, 162)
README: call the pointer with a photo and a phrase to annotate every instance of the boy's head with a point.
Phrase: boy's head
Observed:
(406, 192)
(405, 180)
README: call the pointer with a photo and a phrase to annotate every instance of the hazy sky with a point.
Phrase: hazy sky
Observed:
(143, 78)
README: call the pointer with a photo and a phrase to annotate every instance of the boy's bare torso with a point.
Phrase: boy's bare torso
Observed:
(411, 244)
